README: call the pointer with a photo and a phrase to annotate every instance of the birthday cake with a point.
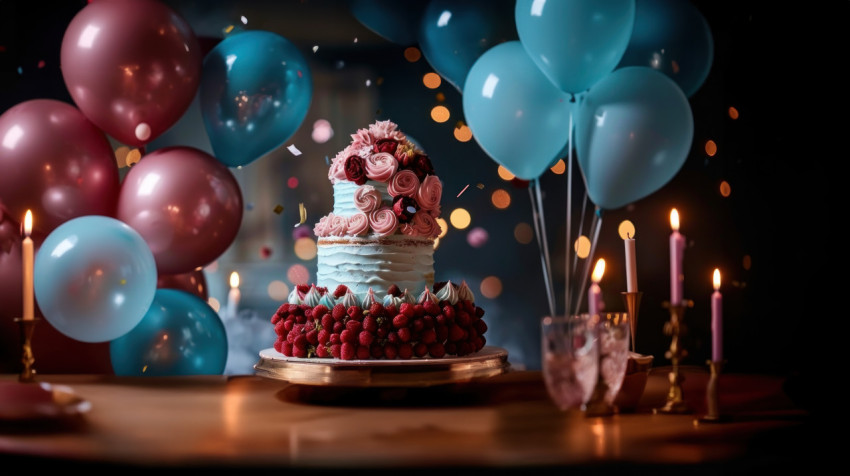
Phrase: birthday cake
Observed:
(375, 295)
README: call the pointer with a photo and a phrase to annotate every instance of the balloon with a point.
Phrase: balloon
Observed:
(516, 115)
(392, 20)
(454, 34)
(131, 66)
(185, 204)
(633, 134)
(94, 278)
(56, 163)
(179, 335)
(577, 42)
(193, 282)
(673, 37)
(255, 92)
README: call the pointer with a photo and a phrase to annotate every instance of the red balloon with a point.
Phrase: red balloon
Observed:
(131, 66)
(186, 205)
(56, 163)
(193, 282)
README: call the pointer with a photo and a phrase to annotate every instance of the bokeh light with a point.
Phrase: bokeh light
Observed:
(500, 198)
(463, 133)
(477, 237)
(278, 290)
(747, 262)
(444, 227)
(214, 304)
(582, 247)
(733, 113)
(322, 131)
(460, 218)
(212, 267)
(725, 188)
(710, 148)
(440, 97)
(440, 114)
(626, 230)
(305, 248)
(292, 182)
(559, 168)
(412, 54)
(121, 156)
(505, 174)
(491, 287)
(432, 80)
(523, 233)
(298, 274)
(133, 157)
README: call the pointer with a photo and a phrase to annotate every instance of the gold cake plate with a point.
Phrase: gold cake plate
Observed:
(416, 372)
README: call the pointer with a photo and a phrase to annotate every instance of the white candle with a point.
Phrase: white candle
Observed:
(27, 260)
(233, 296)
(594, 294)
(717, 320)
(677, 251)
(631, 267)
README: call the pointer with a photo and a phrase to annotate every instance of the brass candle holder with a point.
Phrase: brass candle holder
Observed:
(674, 328)
(27, 326)
(632, 301)
(713, 414)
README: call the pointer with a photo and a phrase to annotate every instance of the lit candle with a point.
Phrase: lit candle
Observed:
(594, 294)
(631, 267)
(27, 259)
(717, 320)
(677, 250)
(233, 296)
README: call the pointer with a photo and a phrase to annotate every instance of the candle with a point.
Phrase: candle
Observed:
(717, 320)
(677, 250)
(594, 294)
(27, 259)
(631, 267)
(233, 296)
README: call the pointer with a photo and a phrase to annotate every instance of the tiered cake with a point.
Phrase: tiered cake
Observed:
(375, 295)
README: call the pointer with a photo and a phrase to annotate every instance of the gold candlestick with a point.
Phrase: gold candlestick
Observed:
(713, 408)
(27, 326)
(674, 328)
(632, 301)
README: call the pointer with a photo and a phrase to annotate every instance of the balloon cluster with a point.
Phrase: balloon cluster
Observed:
(118, 261)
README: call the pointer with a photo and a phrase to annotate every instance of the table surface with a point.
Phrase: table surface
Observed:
(500, 424)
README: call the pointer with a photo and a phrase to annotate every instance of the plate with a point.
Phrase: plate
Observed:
(39, 401)
(416, 372)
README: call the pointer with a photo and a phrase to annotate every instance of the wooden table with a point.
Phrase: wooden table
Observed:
(498, 425)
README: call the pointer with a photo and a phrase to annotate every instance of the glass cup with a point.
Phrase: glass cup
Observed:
(613, 332)
(570, 359)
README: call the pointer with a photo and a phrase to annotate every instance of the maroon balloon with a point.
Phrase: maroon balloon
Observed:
(55, 162)
(193, 282)
(130, 63)
(186, 205)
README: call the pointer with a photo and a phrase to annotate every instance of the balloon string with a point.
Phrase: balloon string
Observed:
(567, 296)
(544, 235)
(544, 262)
(580, 229)
(595, 227)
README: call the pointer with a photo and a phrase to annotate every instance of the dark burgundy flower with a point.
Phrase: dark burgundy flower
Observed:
(386, 145)
(354, 170)
(422, 166)
(404, 208)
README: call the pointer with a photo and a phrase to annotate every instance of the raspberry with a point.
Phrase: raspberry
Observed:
(338, 327)
(442, 333)
(429, 336)
(382, 332)
(376, 351)
(347, 337)
(419, 310)
(322, 290)
(346, 351)
(478, 343)
(407, 309)
(282, 310)
(481, 327)
(355, 313)
(308, 313)
(463, 318)
(420, 349)
(319, 311)
(313, 337)
(400, 321)
(276, 318)
(322, 352)
(390, 351)
(404, 334)
(336, 350)
(441, 320)
(393, 338)
(394, 290)
(304, 288)
(449, 312)
(479, 312)
(362, 352)
(280, 328)
(286, 349)
(324, 336)
(328, 322)
(370, 324)
(300, 340)
(437, 350)
(405, 350)
(464, 348)
(417, 325)
(277, 345)
(365, 338)
(390, 310)
(469, 307)
(451, 348)
(301, 318)
(456, 333)
(340, 291)
(377, 309)
(334, 339)
(299, 352)
(338, 312)
(431, 308)
(428, 321)
(354, 326)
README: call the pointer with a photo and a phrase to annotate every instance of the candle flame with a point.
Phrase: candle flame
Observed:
(674, 220)
(234, 280)
(28, 223)
(716, 279)
(598, 270)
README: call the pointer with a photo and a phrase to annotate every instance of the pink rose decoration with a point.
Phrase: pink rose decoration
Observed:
(321, 228)
(422, 224)
(380, 167)
(435, 212)
(337, 169)
(337, 225)
(367, 198)
(405, 183)
(358, 224)
(362, 139)
(386, 130)
(383, 221)
(429, 193)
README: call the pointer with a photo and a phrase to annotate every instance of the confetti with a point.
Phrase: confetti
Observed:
(480, 186)
(303, 212)
(355, 39)
(265, 252)
(278, 209)
(294, 150)
(315, 48)
(244, 20)
(41, 64)
(327, 160)
(464, 189)
(368, 82)
(228, 29)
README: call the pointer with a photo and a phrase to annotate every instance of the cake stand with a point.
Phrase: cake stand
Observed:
(415, 372)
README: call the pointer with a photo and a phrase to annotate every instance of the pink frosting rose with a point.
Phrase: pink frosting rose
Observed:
(383, 221)
(358, 224)
(380, 167)
(337, 225)
(422, 224)
(386, 130)
(367, 198)
(429, 193)
(321, 228)
(362, 139)
(337, 169)
(405, 182)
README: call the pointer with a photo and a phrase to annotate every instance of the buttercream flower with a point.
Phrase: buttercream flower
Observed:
(362, 139)
(337, 225)
(354, 170)
(336, 172)
(385, 145)
(321, 228)
(367, 198)
(404, 208)
(435, 212)
(404, 153)
(380, 167)
(422, 166)
(404, 182)
(358, 224)
(429, 193)
(422, 224)
(383, 221)
(386, 130)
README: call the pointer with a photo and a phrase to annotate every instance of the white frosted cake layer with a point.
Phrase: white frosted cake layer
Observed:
(344, 196)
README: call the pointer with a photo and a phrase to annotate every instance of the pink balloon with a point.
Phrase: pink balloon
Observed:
(56, 163)
(186, 205)
(193, 282)
(131, 66)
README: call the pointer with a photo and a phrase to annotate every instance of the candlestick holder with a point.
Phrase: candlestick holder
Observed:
(27, 326)
(632, 301)
(713, 414)
(674, 328)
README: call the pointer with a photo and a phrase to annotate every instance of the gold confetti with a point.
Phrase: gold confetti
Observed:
(278, 209)
(228, 29)
(303, 212)
(480, 186)
(133, 157)
(123, 282)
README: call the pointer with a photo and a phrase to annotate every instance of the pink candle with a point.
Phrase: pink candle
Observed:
(631, 267)
(594, 294)
(717, 320)
(27, 261)
(677, 251)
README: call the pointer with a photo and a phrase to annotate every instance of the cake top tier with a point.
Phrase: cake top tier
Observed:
(390, 183)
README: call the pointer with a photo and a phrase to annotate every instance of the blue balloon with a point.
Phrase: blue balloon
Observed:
(393, 20)
(255, 91)
(633, 134)
(454, 34)
(576, 42)
(673, 37)
(517, 116)
(94, 278)
(179, 335)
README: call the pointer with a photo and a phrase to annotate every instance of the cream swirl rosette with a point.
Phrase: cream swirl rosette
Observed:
(404, 183)
(337, 225)
(383, 221)
(380, 167)
(358, 224)
(422, 224)
(367, 198)
(321, 228)
(429, 193)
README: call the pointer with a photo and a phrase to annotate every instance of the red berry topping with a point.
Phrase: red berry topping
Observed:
(394, 290)
(420, 349)
(431, 308)
(390, 351)
(362, 352)
(419, 310)
(365, 338)
(405, 350)
(276, 318)
(304, 288)
(437, 350)
(356, 313)
(346, 336)
(347, 351)
(481, 327)
(404, 334)
(324, 336)
(463, 318)
(376, 351)
(340, 291)
(417, 325)
(429, 336)
(338, 312)
(390, 310)
(449, 312)
(322, 352)
(456, 333)
(338, 327)
(328, 322)
(479, 312)
(370, 324)
(377, 309)
(334, 339)
(407, 309)
(400, 321)
(319, 311)
(286, 349)
(336, 350)
(313, 337)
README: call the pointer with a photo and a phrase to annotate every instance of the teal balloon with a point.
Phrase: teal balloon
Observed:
(179, 335)
(255, 91)
(634, 131)
(575, 42)
(454, 34)
(396, 21)
(673, 37)
(94, 278)
(517, 116)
